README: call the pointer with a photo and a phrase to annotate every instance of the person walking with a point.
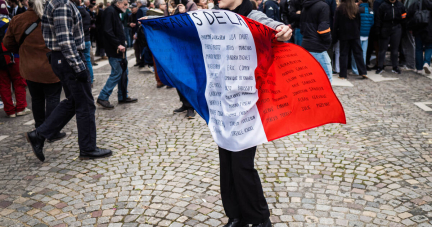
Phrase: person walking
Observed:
(347, 31)
(391, 15)
(422, 35)
(315, 28)
(86, 19)
(367, 20)
(114, 42)
(10, 74)
(44, 86)
(62, 29)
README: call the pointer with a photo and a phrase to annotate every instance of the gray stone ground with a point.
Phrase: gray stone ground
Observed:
(373, 171)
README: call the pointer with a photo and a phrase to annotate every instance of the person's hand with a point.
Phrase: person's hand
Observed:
(181, 8)
(298, 12)
(132, 25)
(135, 37)
(284, 33)
(121, 48)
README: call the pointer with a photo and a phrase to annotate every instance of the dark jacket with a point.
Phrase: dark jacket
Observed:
(294, 18)
(113, 31)
(345, 28)
(142, 11)
(99, 28)
(86, 19)
(389, 16)
(284, 11)
(34, 66)
(19, 11)
(367, 19)
(271, 9)
(332, 5)
(424, 32)
(315, 26)
(133, 19)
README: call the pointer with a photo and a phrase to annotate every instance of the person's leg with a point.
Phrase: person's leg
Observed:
(419, 52)
(19, 85)
(247, 184)
(38, 102)
(428, 54)
(337, 57)
(364, 45)
(52, 97)
(353, 64)
(92, 55)
(394, 45)
(6, 93)
(137, 53)
(358, 56)
(325, 63)
(383, 49)
(228, 192)
(88, 60)
(343, 59)
(409, 50)
(113, 79)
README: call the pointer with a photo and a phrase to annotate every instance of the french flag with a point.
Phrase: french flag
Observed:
(249, 88)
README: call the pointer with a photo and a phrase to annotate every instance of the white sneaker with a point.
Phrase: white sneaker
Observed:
(24, 112)
(421, 72)
(11, 116)
(427, 68)
(151, 68)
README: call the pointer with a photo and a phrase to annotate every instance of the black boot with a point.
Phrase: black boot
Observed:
(105, 104)
(57, 137)
(180, 110)
(264, 224)
(235, 222)
(97, 153)
(37, 142)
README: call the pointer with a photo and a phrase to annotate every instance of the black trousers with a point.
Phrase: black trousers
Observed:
(79, 101)
(45, 98)
(138, 51)
(241, 189)
(346, 46)
(394, 39)
(184, 100)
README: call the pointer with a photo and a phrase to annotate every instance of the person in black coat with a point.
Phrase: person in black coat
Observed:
(115, 47)
(295, 10)
(15, 8)
(347, 31)
(100, 50)
(391, 15)
(284, 11)
(271, 9)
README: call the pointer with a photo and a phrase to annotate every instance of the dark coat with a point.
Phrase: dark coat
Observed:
(284, 12)
(332, 5)
(99, 28)
(86, 19)
(425, 32)
(271, 9)
(113, 31)
(294, 19)
(19, 10)
(345, 28)
(315, 26)
(389, 15)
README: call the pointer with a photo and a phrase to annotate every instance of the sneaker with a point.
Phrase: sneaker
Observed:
(151, 68)
(105, 104)
(379, 71)
(190, 114)
(11, 116)
(406, 68)
(396, 70)
(24, 112)
(180, 110)
(421, 72)
(426, 68)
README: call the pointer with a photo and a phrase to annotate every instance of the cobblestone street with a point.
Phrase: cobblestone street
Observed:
(373, 171)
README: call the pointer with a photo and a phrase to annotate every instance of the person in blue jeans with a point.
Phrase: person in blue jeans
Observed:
(367, 20)
(115, 42)
(422, 62)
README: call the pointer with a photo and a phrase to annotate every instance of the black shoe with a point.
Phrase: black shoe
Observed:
(379, 71)
(128, 100)
(137, 64)
(97, 153)
(37, 142)
(141, 66)
(160, 86)
(169, 87)
(264, 224)
(396, 70)
(235, 222)
(57, 137)
(180, 110)
(190, 114)
(105, 104)
(95, 64)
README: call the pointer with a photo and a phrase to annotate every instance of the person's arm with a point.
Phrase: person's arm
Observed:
(63, 26)
(108, 22)
(324, 25)
(9, 39)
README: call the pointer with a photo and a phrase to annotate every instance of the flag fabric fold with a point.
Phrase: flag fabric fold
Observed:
(249, 88)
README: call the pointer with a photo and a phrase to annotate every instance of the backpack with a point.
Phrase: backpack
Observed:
(6, 57)
(418, 18)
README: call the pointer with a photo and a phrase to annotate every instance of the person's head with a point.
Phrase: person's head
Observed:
(86, 3)
(151, 5)
(12, 3)
(24, 3)
(37, 6)
(100, 5)
(254, 5)
(108, 4)
(121, 4)
(160, 4)
(134, 9)
(229, 4)
(349, 8)
(91, 7)
(76, 2)
(141, 3)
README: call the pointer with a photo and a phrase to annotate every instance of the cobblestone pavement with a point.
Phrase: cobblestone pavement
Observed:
(373, 171)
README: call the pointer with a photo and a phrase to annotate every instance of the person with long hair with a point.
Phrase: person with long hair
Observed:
(347, 31)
